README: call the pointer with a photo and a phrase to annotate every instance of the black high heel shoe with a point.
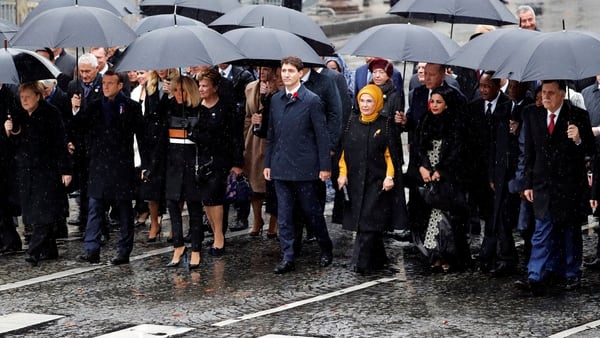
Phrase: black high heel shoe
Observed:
(217, 252)
(183, 257)
(158, 235)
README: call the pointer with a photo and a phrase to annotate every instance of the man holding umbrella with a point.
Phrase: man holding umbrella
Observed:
(83, 90)
(558, 138)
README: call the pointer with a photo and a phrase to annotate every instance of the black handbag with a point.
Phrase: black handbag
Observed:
(443, 195)
(203, 171)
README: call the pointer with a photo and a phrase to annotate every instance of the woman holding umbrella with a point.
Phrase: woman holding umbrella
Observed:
(43, 169)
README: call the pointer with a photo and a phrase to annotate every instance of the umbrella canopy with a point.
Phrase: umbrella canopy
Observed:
(20, 66)
(566, 55)
(202, 10)
(484, 12)
(75, 26)
(151, 23)
(488, 51)
(7, 29)
(117, 7)
(178, 46)
(282, 18)
(267, 46)
(401, 42)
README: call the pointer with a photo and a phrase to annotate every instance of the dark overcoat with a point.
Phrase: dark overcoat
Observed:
(110, 142)
(364, 146)
(555, 167)
(41, 158)
(297, 139)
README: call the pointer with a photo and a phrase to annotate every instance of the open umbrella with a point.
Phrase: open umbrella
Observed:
(401, 42)
(117, 7)
(20, 66)
(267, 46)
(202, 10)
(178, 46)
(282, 18)
(488, 51)
(151, 23)
(7, 30)
(566, 55)
(74, 26)
(484, 12)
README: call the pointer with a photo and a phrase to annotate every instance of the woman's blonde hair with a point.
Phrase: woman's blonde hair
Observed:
(190, 87)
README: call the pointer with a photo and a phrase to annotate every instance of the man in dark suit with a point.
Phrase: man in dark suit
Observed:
(240, 78)
(494, 158)
(84, 90)
(327, 90)
(297, 159)
(111, 124)
(558, 139)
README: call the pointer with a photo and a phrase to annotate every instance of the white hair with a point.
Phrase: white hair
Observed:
(88, 59)
(524, 9)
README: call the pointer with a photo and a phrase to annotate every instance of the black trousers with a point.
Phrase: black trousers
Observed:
(195, 210)
(43, 241)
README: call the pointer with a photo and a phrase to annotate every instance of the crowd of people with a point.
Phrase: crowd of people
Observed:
(486, 156)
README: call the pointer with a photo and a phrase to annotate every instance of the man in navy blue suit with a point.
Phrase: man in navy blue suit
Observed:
(297, 157)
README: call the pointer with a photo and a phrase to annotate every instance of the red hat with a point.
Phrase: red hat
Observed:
(379, 63)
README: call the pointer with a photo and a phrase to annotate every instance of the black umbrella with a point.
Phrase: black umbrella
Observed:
(20, 66)
(178, 46)
(484, 12)
(488, 51)
(151, 23)
(401, 42)
(202, 10)
(75, 26)
(282, 18)
(566, 55)
(267, 46)
(7, 30)
(117, 7)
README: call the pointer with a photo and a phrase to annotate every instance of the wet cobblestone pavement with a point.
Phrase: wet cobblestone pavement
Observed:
(226, 297)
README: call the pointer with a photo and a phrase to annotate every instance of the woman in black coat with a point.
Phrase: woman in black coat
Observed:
(219, 138)
(181, 158)
(370, 173)
(43, 169)
(440, 158)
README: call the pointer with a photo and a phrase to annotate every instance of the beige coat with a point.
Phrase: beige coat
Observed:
(254, 153)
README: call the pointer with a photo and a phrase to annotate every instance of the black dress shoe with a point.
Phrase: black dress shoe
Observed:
(573, 283)
(32, 259)
(502, 270)
(325, 260)
(593, 265)
(90, 257)
(284, 266)
(118, 260)
(531, 287)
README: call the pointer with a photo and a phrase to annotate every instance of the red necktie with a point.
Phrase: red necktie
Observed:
(551, 124)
